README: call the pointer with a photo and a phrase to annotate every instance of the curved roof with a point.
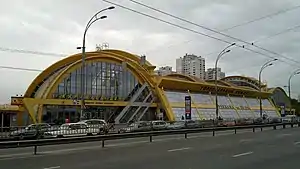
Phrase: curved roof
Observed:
(56, 72)
(272, 90)
(221, 82)
(181, 76)
(252, 82)
(45, 84)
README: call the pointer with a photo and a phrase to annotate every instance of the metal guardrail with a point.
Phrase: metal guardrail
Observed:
(103, 138)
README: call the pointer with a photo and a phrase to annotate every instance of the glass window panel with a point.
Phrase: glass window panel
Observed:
(252, 101)
(102, 79)
(202, 98)
(239, 101)
(176, 96)
(246, 114)
(266, 103)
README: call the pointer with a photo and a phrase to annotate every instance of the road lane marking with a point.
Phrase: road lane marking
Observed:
(55, 167)
(242, 154)
(284, 135)
(296, 143)
(245, 140)
(179, 149)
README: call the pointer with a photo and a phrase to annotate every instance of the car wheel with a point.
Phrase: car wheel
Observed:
(21, 137)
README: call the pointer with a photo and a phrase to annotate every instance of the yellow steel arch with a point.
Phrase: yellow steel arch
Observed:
(128, 55)
(255, 84)
(182, 76)
(142, 73)
(73, 58)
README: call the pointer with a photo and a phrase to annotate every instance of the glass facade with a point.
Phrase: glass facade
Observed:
(242, 107)
(176, 96)
(208, 114)
(179, 114)
(252, 101)
(230, 107)
(226, 109)
(103, 81)
(270, 113)
(202, 98)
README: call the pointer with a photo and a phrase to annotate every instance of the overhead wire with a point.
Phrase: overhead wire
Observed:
(30, 52)
(18, 68)
(267, 37)
(270, 15)
(212, 30)
(62, 55)
(199, 33)
(263, 17)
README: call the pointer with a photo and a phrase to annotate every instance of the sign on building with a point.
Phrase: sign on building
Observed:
(188, 108)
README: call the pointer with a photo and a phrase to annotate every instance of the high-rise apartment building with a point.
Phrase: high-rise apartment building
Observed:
(163, 71)
(210, 74)
(191, 65)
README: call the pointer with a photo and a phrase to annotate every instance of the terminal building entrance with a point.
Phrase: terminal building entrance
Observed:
(59, 114)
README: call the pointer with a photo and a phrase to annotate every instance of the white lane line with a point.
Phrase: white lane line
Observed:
(55, 167)
(283, 135)
(245, 140)
(242, 154)
(296, 143)
(179, 149)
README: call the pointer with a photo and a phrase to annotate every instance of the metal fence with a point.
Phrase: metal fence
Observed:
(45, 131)
(42, 142)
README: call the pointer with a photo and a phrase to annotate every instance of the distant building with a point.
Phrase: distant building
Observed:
(163, 71)
(191, 65)
(210, 74)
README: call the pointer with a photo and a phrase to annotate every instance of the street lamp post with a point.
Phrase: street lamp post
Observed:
(289, 86)
(224, 51)
(83, 68)
(267, 64)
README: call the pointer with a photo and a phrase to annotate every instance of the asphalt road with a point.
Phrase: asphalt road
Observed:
(261, 150)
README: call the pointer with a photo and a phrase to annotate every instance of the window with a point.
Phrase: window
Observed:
(106, 81)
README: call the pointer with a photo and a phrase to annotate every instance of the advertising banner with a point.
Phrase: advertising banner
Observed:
(188, 108)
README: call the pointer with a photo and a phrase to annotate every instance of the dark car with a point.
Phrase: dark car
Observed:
(32, 131)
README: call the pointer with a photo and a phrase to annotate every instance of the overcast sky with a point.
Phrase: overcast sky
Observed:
(57, 26)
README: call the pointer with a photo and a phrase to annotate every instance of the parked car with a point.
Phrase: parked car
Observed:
(136, 127)
(158, 125)
(31, 131)
(176, 125)
(226, 123)
(192, 124)
(290, 119)
(97, 124)
(71, 130)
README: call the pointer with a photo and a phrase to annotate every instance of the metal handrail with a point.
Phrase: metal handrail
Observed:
(150, 134)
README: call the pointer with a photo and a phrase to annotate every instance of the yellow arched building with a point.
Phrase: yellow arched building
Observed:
(119, 88)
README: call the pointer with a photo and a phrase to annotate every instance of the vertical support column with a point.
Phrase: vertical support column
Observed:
(165, 103)
(20, 117)
(213, 101)
(193, 103)
(254, 116)
(29, 105)
(236, 110)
